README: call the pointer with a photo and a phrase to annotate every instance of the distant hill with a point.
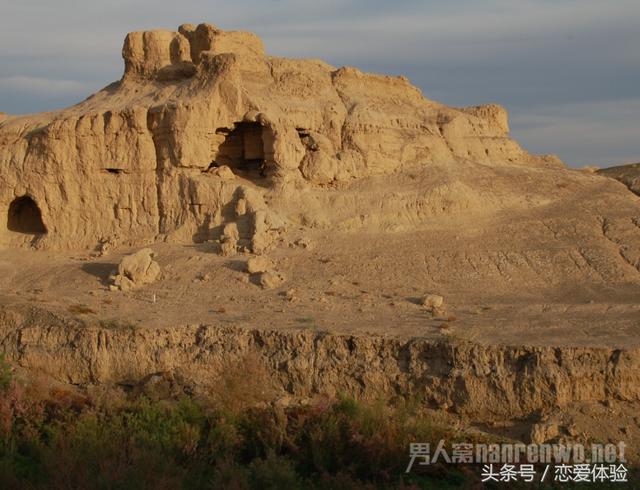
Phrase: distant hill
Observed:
(629, 175)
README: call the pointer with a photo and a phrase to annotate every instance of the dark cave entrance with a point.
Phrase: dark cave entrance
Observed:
(243, 150)
(25, 217)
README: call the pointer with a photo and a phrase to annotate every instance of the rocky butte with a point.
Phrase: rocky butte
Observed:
(144, 158)
(405, 248)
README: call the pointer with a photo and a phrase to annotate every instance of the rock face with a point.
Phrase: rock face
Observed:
(201, 119)
(482, 381)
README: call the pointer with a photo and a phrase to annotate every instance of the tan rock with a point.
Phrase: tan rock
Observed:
(136, 270)
(231, 232)
(229, 239)
(263, 235)
(543, 432)
(432, 301)
(241, 207)
(146, 53)
(123, 283)
(224, 172)
(573, 430)
(259, 264)
(271, 279)
(228, 248)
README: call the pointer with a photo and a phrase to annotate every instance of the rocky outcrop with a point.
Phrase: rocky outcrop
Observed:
(483, 381)
(139, 159)
(136, 270)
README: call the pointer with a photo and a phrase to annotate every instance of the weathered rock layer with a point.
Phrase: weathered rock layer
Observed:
(482, 381)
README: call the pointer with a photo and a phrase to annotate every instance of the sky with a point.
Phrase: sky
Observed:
(568, 71)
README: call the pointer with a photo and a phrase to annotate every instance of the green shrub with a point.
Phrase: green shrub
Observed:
(331, 444)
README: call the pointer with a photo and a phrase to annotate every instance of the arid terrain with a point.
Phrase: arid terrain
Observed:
(362, 199)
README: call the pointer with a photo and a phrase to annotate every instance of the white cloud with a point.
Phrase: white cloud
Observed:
(459, 32)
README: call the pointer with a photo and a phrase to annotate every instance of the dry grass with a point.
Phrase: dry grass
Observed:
(243, 384)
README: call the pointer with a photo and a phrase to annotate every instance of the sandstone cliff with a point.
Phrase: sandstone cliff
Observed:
(140, 159)
(479, 380)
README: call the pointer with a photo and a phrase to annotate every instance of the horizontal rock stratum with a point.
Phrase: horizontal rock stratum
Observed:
(138, 160)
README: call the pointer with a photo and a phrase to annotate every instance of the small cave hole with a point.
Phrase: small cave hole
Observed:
(306, 139)
(24, 216)
(303, 133)
(115, 171)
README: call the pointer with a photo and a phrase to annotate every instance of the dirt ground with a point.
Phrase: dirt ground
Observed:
(498, 288)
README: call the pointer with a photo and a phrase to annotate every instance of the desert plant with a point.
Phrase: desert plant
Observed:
(242, 383)
(64, 442)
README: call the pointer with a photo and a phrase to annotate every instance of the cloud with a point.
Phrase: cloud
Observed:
(600, 133)
(42, 86)
(20, 94)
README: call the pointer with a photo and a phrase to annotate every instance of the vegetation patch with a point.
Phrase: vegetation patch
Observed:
(58, 440)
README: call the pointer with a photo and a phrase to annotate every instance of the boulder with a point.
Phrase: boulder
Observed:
(271, 279)
(432, 301)
(136, 270)
(259, 264)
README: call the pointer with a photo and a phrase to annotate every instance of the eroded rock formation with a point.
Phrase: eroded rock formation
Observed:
(144, 158)
(481, 381)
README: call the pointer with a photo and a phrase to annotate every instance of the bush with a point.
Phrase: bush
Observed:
(61, 440)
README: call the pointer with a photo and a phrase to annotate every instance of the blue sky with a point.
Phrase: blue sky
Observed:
(568, 71)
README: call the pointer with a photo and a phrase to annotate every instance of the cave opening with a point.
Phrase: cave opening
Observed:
(24, 216)
(242, 150)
